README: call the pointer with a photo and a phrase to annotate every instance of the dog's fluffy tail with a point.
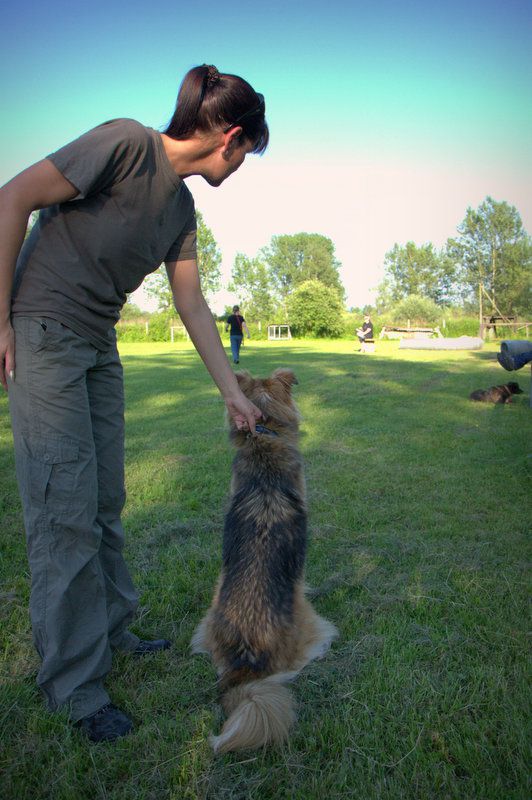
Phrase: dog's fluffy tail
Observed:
(260, 712)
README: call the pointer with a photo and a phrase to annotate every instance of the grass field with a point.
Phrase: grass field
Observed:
(419, 505)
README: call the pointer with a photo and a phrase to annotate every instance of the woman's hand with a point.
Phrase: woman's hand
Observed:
(7, 354)
(244, 413)
(37, 187)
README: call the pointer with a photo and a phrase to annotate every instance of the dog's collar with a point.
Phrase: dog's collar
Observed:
(264, 430)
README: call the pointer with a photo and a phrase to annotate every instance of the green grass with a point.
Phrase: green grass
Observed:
(419, 515)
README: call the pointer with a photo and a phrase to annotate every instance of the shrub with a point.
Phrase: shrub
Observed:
(315, 310)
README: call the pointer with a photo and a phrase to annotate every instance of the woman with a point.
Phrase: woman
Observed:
(114, 206)
(237, 324)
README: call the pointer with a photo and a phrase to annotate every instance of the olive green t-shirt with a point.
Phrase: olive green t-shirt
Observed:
(131, 213)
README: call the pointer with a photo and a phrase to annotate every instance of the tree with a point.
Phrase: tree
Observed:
(32, 219)
(417, 270)
(209, 261)
(494, 257)
(130, 310)
(315, 310)
(209, 258)
(293, 260)
(418, 309)
(251, 281)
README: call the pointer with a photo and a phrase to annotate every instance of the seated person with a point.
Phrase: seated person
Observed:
(365, 333)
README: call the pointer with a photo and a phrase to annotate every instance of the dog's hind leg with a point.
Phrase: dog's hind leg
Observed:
(315, 633)
(199, 642)
(202, 638)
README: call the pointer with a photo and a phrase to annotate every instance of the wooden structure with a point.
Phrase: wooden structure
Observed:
(488, 326)
(409, 332)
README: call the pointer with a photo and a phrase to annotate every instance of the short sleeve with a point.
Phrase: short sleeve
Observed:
(184, 248)
(100, 157)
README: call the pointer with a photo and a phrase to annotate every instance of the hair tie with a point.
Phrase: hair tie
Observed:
(213, 76)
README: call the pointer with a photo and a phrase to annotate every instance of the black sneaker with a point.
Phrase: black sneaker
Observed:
(143, 647)
(106, 725)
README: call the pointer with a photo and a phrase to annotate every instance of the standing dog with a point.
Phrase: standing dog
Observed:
(497, 394)
(260, 629)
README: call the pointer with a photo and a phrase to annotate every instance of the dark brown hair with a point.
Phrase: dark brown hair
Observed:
(209, 100)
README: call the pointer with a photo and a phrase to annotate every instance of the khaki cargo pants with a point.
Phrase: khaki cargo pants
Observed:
(67, 411)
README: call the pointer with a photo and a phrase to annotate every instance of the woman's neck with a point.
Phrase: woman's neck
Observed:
(189, 156)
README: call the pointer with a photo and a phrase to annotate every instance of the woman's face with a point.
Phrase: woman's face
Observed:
(227, 160)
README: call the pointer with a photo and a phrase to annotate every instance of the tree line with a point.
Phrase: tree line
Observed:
(489, 259)
(296, 278)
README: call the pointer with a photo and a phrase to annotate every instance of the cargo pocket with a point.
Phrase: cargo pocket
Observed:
(44, 333)
(50, 469)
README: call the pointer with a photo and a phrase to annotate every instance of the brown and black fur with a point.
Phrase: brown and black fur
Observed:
(497, 394)
(260, 629)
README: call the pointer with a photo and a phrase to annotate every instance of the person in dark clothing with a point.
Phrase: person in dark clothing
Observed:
(365, 333)
(113, 206)
(237, 324)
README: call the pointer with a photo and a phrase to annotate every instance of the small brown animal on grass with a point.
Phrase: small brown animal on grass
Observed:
(497, 394)
(260, 629)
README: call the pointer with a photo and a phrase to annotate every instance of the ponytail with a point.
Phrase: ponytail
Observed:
(209, 100)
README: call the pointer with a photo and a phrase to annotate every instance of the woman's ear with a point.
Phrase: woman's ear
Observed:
(231, 141)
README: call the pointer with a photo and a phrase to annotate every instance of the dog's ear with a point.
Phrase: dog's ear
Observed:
(284, 376)
(244, 378)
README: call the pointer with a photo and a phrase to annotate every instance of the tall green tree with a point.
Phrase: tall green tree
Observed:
(209, 267)
(251, 282)
(295, 259)
(422, 271)
(493, 253)
(32, 219)
(209, 258)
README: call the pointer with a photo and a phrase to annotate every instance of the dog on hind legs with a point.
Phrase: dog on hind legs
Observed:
(260, 630)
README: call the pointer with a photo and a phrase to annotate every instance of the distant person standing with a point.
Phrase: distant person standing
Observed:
(237, 324)
(365, 333)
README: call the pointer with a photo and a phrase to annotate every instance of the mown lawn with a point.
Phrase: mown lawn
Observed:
(419, 505)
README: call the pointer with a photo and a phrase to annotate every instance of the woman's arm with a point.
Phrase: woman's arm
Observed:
(199, 322)
(37, 187)
(245, 327)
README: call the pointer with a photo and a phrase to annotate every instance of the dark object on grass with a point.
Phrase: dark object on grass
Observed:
(106, 725)
(145, 647)
(496, 394)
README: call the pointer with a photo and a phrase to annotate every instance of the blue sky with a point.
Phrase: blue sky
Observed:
(387, 119)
